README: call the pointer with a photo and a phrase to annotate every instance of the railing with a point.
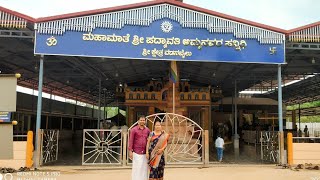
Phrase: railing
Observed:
(306, 139)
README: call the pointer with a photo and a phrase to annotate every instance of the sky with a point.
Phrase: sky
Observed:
(285, 14)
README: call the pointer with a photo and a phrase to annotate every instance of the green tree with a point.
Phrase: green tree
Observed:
(304, 105)
(113, 111)
(305, 119)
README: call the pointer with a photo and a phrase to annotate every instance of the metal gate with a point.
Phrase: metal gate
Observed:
(49, 146)
(270, 146)
(186, 142)
(102, 146)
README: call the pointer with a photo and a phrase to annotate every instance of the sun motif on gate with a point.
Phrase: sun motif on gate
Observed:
(185, 144)
(166, 26)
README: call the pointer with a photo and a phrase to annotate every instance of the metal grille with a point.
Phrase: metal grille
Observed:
(49, 145)
(185, 144)
(102, 147)
(269, 146)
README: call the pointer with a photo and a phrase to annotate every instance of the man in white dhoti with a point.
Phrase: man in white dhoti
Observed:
(137, 150)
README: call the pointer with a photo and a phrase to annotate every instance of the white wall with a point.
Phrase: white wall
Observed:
(314, 128)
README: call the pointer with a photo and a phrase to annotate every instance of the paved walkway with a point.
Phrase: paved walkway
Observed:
(223, 172)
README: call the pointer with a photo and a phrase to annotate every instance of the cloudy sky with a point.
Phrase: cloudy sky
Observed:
(285, 14)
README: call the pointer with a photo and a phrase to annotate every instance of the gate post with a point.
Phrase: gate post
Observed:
(39, 149)
(124, 146)
(30, 150)
(281, 146)
(38, 120)
(83, 143)
(290, 149)
(57, 145)
(206, 146)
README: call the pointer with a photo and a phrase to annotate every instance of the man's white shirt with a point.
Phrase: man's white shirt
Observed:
(219, 142)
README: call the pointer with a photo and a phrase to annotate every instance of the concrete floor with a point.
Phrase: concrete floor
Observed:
(225, 172)
(248, 154)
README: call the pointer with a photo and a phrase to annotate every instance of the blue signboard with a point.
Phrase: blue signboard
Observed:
(5, 116)
(164, 39)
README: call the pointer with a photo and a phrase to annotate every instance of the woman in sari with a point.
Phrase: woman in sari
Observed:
(157, 142)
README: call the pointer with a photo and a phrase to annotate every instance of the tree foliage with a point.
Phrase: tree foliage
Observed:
(305, 119)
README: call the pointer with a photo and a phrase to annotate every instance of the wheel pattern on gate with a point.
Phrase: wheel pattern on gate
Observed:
(102, 146)
(185, 143)
(49, 146)
(270, 146)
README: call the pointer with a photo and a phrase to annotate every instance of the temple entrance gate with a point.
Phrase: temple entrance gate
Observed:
(186, 142)
(162, 31)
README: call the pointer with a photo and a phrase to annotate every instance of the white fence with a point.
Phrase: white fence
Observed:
(314, 128)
